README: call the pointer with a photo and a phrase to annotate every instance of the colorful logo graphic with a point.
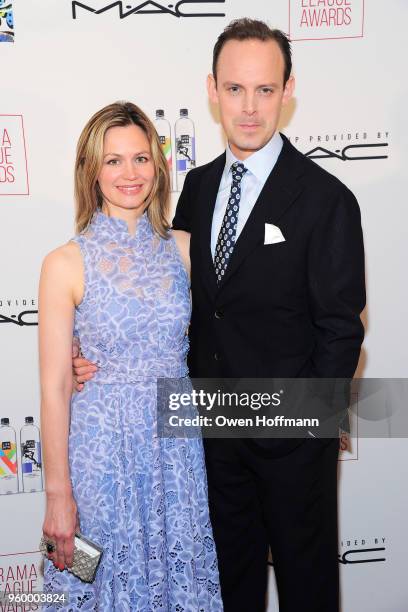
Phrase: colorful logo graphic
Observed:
(325, 19)
(13, 157)
(8, 458)
(6, 21)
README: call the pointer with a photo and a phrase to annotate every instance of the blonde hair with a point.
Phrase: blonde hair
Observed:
(88, 164)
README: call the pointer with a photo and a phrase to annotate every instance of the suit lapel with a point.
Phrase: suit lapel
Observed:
(207, 198)
(281, 189)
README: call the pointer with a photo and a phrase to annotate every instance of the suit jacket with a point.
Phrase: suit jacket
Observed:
(289, 309)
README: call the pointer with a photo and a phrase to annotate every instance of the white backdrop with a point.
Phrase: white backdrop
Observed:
(350, 103)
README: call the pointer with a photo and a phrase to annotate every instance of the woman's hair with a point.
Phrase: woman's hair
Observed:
(89, 159)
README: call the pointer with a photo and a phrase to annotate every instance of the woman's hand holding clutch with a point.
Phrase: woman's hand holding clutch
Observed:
(60, 524)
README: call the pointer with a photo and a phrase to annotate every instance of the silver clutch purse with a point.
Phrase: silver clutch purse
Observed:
(87, 556)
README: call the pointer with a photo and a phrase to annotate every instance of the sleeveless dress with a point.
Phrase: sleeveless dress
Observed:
(142, 498)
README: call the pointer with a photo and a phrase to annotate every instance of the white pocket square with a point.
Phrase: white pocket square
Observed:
(273, 234)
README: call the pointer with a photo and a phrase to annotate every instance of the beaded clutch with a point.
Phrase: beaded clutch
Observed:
(87, 556)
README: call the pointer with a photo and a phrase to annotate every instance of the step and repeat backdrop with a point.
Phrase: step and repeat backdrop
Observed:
(61, 61)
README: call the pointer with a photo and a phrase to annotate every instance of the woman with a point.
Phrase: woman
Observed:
(122, 287)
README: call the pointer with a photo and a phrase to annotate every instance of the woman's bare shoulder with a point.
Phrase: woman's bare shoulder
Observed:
(62, 273)
(65, 254)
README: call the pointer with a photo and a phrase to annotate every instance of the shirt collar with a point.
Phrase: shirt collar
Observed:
(260, 163)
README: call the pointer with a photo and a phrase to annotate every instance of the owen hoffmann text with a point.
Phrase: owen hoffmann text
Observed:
(257, 421)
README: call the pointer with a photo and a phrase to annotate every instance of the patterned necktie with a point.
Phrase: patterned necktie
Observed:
(228, 232)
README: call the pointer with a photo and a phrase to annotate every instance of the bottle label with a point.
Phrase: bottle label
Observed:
(185, 145)
(31, 457)
(8, 459)
(166, 147)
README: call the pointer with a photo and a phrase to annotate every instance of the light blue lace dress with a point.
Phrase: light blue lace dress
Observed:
(140, 497)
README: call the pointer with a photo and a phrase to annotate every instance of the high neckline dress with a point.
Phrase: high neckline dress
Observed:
(142, 498)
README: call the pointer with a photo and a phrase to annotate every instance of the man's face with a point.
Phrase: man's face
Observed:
(249, 92)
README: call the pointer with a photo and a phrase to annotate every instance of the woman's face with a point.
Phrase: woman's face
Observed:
(127, 173)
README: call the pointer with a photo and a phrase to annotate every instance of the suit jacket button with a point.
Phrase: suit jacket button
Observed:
(218, 314)
(217, 356)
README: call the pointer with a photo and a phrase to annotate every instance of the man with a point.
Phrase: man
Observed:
(286, 309)
(277, 269)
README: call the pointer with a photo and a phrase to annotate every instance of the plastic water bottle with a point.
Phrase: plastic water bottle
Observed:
(164, 131)
(185, 147)
(8, 459)
(31, 464)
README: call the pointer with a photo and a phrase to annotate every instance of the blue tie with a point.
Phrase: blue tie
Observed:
(228, 232)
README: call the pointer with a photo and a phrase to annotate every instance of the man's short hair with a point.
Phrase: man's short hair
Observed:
(247, 29)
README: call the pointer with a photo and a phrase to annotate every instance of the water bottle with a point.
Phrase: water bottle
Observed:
(8, 459)
(185, 147)
(31, 465)
(164, 132)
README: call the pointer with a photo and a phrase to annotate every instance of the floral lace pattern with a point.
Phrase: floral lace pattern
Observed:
(142, 498)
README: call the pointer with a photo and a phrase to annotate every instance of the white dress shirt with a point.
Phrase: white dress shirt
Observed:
(259, 166)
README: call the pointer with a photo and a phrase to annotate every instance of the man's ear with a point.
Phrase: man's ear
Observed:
(288, 89)
(212, 89)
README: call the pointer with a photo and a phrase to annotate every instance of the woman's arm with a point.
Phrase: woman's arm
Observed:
(182, 239)
(61, 287)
